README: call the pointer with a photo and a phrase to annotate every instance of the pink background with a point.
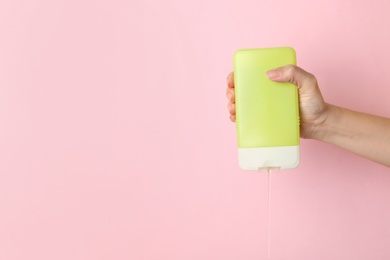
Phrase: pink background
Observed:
(115, 141)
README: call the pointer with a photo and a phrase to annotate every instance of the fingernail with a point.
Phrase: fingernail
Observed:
(272, 74)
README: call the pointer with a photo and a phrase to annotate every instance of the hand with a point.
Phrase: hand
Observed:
(312, 106)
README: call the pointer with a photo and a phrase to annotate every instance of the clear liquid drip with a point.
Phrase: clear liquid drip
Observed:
(269, 212)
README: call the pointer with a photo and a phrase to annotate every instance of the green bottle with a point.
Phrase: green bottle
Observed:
(267, 112)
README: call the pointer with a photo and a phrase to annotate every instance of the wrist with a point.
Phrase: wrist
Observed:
(320, 128)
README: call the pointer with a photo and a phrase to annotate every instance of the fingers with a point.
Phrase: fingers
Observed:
(232, 111)
(292, 74)
(230, 89)
(230, 80)
(231, 97)
(232, 108)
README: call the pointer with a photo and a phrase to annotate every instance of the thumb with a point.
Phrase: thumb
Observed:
(292, 74)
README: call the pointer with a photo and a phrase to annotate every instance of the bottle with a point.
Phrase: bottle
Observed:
(267, 112)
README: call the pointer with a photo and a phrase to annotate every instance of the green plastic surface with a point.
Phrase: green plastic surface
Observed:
(267, 112)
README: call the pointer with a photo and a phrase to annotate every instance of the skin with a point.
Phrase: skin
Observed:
(360, 133)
